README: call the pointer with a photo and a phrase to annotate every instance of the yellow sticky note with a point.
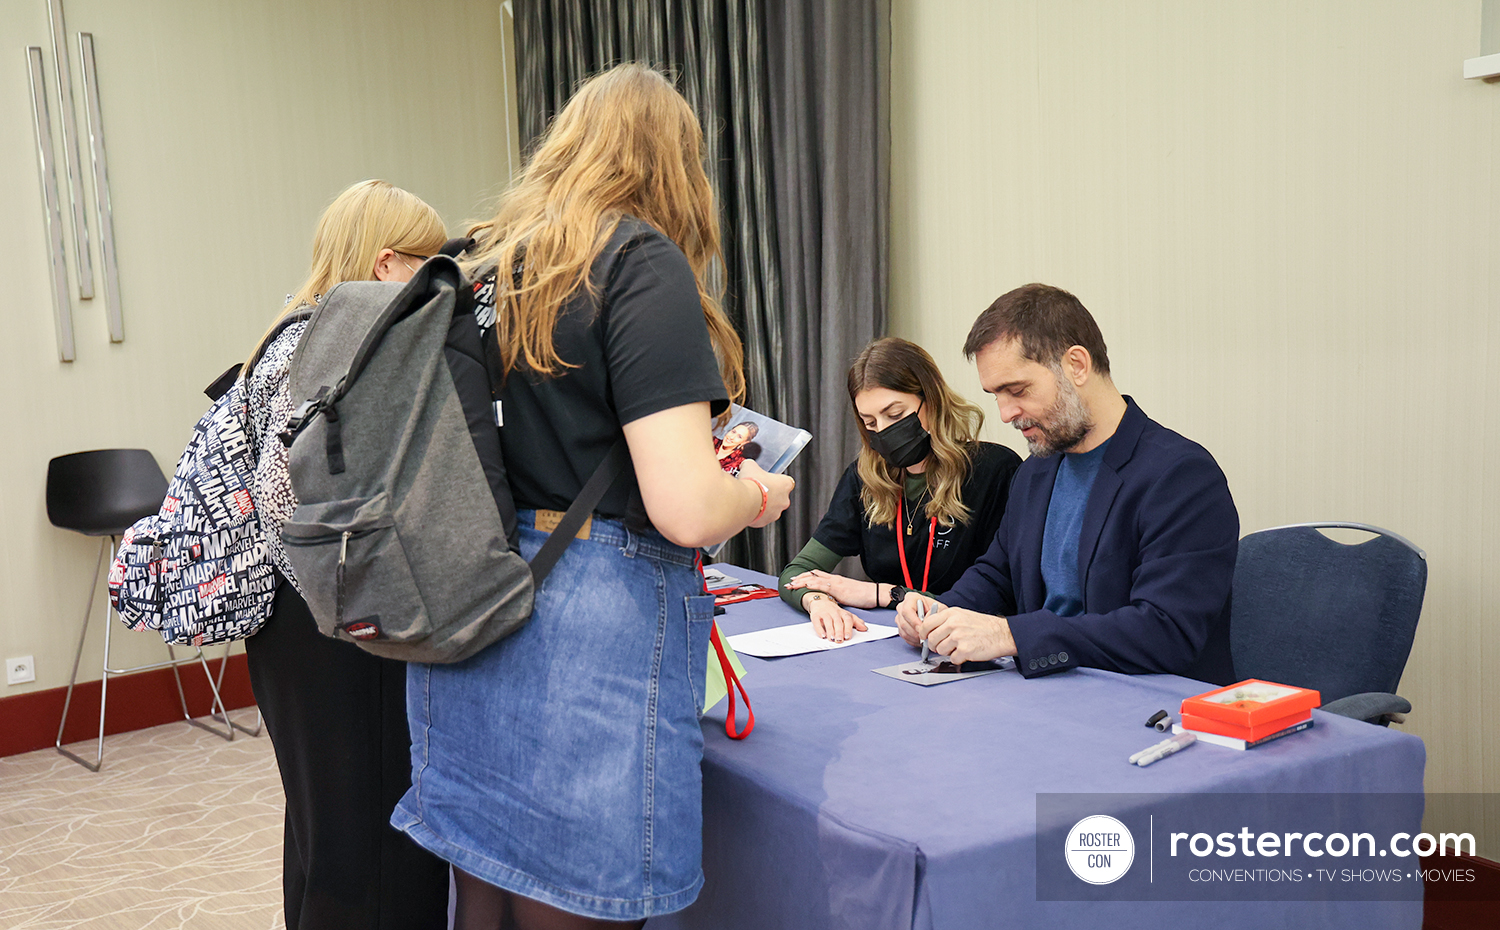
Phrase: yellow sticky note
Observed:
(716, 688)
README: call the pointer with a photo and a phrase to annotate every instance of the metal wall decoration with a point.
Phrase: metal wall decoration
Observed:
(70, 149)
(42, 121)
(101, 188)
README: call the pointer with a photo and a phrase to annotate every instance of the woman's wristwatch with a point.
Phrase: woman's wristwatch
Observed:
(898, 594)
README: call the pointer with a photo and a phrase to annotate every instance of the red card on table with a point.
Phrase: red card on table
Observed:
(744, 592)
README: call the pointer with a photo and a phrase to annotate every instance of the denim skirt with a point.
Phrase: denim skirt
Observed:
(563, 762)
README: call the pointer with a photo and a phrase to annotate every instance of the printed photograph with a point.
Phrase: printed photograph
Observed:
(769, 443)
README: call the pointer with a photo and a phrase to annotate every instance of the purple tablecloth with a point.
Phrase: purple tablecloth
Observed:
(864, 802)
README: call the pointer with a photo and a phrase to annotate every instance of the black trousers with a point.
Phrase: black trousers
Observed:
(337, 720)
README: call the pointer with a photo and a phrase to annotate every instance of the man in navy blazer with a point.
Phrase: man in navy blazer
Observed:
(1118, 543)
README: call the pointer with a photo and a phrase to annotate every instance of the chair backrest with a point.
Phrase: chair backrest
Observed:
(1313, 612)
(100, 493)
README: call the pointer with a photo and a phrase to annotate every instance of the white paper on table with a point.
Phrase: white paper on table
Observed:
(798, 638)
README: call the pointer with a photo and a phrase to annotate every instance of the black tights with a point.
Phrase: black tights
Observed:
(482, 906)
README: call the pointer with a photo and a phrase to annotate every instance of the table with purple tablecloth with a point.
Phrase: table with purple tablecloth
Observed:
(865, 802)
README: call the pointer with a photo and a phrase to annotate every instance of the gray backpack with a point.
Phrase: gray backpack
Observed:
(403, 540)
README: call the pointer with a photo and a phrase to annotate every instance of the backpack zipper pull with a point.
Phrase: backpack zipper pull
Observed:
(338, 610)
(156, 568)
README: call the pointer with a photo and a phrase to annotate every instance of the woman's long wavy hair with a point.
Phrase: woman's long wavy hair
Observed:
(627, 143)
(366, 218)
(906, 367)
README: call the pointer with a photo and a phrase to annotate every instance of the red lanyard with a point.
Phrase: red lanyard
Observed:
(901, 546)
(731, 680)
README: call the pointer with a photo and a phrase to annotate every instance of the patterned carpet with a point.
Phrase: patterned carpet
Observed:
(180, 829)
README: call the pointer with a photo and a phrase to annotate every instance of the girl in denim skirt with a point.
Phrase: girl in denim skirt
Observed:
(558, 770)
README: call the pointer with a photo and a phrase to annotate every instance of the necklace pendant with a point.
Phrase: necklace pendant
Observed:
(908, 531)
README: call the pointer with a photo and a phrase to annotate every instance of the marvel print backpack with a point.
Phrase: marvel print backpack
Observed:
(198, 571)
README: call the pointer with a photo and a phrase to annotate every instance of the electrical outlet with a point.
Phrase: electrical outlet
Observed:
(20, 670)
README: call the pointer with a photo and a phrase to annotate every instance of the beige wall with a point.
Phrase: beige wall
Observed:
(229, 127)
(1286, 217)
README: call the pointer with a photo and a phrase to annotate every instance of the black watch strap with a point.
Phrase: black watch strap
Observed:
(898, 594)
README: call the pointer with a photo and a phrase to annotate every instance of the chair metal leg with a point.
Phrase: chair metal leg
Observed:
(73, 679)
(107, 547)
(260, 723)
(222, 714)
(219, 684)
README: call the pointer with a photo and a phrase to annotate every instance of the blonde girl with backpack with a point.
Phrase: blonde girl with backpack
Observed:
(337, 715)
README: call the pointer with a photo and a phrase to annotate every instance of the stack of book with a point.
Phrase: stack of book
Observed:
(1248, 714)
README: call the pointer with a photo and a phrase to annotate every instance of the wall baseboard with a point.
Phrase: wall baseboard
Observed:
(145, 699)
(1465, 904)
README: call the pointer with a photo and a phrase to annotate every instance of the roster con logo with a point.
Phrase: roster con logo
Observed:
(1100, 849)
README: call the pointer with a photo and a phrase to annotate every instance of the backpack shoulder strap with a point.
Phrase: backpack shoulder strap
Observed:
(221, 385)
(456, 246)
(593, 491)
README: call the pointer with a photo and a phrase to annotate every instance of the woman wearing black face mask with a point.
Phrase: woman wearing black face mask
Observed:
(920, 504)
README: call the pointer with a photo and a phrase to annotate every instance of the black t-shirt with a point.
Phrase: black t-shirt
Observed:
(845, 530)
(641, 347)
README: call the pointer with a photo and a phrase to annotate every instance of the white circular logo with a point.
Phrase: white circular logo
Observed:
(1100, 849)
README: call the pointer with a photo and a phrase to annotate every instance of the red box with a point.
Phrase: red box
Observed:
(1248, 734)
(1252, 703)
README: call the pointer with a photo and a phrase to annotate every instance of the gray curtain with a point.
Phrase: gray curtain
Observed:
(830, 105)
(793, 97)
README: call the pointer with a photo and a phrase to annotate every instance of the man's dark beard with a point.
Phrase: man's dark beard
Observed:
(1063, 426)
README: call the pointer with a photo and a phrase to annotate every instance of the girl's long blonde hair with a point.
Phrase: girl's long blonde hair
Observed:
(627, 143)
(906, 367)
(365, 218)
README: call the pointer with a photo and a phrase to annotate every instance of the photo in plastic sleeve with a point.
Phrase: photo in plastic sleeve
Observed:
(748, 435)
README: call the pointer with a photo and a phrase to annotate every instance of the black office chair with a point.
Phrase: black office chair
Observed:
(101, 493)
(1317, 613)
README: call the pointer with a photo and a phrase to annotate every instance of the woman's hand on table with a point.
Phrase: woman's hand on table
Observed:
(829, 620)
(844, 590)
